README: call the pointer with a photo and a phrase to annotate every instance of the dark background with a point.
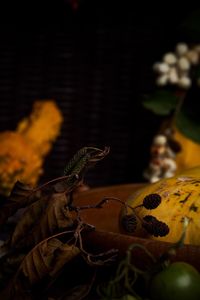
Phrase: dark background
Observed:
(96, 62)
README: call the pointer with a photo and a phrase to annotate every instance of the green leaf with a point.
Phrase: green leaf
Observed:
(189, 126)
(161, 102)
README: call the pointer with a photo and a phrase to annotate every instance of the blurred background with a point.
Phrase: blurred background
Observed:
(94, 59)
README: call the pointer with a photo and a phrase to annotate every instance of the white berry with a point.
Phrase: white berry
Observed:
(183, 64)
(162, 80)
(173, 76)
(181, 49)
(161, 68)
(170, 58)
(184, 82)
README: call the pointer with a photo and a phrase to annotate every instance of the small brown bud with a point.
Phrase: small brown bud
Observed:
(152, 201)
(154, 226)
(129, 223)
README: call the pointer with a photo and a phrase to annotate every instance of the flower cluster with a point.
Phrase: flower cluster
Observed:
(175, 67)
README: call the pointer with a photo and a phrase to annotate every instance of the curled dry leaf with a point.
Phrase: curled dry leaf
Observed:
(38, 263)
(27, 221)
(18, 196)
(77, 293)
(47, 215)
(23, 195)
(42, 219)
(46, 258)
(64, 254)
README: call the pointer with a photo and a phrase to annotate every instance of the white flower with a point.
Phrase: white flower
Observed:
(184, 82)
(183, 64)
(181, 49)
(173, 76)
(170, 58)
(160, 139)
(161, 68)
(162, 80)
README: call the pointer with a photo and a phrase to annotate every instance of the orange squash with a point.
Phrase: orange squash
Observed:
(22, 152)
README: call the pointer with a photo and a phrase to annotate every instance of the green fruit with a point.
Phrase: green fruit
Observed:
(178, 281)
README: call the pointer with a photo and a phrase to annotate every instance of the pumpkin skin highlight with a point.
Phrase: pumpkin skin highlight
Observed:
(180, 198)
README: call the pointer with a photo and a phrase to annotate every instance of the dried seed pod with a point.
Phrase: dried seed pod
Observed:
(129, 223)
(154, 226)
(152, 201)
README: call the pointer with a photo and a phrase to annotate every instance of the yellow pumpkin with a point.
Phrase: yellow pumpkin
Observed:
(189, 156)
(180, 197)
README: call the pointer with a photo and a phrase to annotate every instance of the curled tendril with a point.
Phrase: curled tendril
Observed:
(125, 277)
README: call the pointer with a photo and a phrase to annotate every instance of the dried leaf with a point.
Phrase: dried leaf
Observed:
(21, 295)
(41, 220)
(80, 291)
(77, 293)
(45, 258)
(64, 254)
(22, 195)
(38, 263)
(28, 219)
(20, 191)
(15, 200)
(19, 291)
